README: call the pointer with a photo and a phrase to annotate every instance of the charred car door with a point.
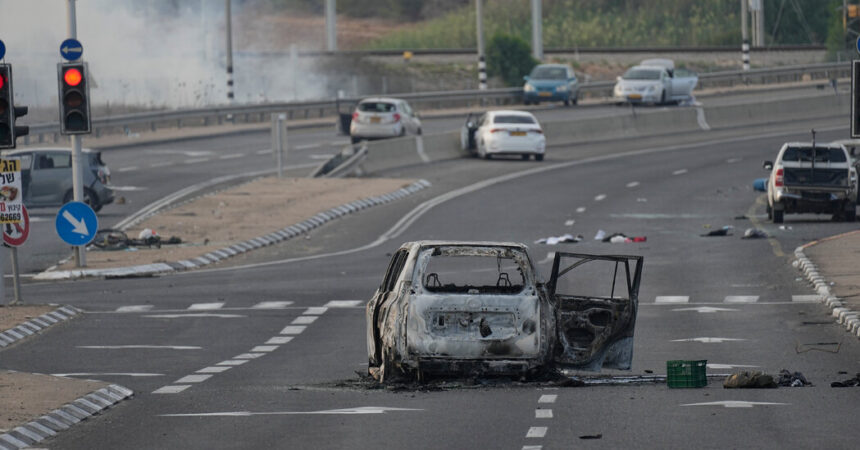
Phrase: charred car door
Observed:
(380, 303)
(595, 298)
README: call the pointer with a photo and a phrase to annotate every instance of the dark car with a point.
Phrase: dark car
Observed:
(46, 177)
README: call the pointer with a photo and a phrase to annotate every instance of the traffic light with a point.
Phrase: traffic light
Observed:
(74, 98)
(8, 111)
(852, 11)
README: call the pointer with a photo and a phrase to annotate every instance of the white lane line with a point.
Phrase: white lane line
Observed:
(293, 329)
(214, 369)
(547, 398)
(193, 378)
(127, 169)
(633, 184)
(306, 146)
(248, 356)
(264, 151)
(536, 432)
(180, 316)
(347, 411)
(271, 305)
(315, 310)
(543, 414)
(344, 303)
(600, 197)
(679, 172)
(708, 340)
(705, 309)
(171, 389)
(127, 188)
(264, 348)
(118, 347)
(135, 308)
(278, 340)
(741, 299)
(205, 306)
(232, 362)
(304, 320)
(195, 160)
(569, 222)
(231, 156)
(108, 374)
(581, 209)
(672, 299)
(532, 447)
(805, 298)
(736, 404)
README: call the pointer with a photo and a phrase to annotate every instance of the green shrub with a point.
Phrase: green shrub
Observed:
(509, 58)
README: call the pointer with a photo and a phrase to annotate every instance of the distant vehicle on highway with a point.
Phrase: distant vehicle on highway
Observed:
(46, 177)
(480, 308)
(807, 178)
(383, 117)
(551, 83)
(504, 132)
(655, 81)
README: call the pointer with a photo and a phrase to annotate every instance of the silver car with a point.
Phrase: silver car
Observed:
(655, 81)
(480, 308)
(383, 117)
(46, 177)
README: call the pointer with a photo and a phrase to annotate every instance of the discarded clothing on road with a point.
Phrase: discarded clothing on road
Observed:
(564, 239)
(749, 380)
(851, 382)
(112, 239)
(724, 231)
(792, 379)
(754, 233)
(621, 238)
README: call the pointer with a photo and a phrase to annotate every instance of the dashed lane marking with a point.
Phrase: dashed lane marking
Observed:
(706, 309)
(633, 184)
(231, 156)
(347, 411)
(181, 316)
(569, 223)
(581, 209)
(172, 389)
(121, 347)
(272, 305)
(293, 329)
(672, 299)
(736, 404)
(214, 369)
(232, 362)
(315, 310)
(193, 378)
(135, 308)
(108, 374)
(344, 303)
(205, 306)
(536, 432)
(249, 355)
(127, 169)
(304, 320)
(679, 172)
(532, 447)
(600, 197)
(741, 298)
(548, 398)
(265, 348)
(543, 414)
(709, 340)
(279, 340)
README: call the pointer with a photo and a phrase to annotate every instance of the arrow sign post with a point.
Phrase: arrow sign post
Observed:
(76, 223)
(71, 49)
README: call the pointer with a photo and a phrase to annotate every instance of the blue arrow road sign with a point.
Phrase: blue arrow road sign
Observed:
(77, 223)
(71, 49)
(2, 49)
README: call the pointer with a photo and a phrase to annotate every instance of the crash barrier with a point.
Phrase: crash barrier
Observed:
(343, 163)
(639, 122)
(151, 121)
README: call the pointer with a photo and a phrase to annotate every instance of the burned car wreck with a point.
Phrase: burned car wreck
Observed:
(481, 309)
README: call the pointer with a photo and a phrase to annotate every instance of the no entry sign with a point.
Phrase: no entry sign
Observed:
(15, 234)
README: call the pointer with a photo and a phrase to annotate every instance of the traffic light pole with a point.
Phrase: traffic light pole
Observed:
(77, 176)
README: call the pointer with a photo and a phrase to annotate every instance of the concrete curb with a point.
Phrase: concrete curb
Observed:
(64, 417)
(36, 325)
(283, 234)
(849, 318)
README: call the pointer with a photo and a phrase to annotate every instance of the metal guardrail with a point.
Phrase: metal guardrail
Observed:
(424, 100)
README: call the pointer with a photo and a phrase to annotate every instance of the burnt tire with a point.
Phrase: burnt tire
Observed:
(778, 216)
(538, 157)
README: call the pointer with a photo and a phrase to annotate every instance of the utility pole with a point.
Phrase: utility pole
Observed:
(229, 52)
(482, 62)
(745, 45)
(77, 164)
(537, 30)
(331, 25)
(760, 24)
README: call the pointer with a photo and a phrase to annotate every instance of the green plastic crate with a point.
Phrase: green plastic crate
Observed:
(686, 374)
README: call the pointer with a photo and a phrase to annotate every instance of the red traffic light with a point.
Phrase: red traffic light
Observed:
(73, 77)
(2, 80)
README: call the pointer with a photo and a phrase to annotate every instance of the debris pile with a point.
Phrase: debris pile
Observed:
(113, 239)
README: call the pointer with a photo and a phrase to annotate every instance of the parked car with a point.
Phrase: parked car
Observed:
(480, 308)
(812, 178)
(503, 132)
(46, 177)
(551, 83)
(655, 81)
(383, 117)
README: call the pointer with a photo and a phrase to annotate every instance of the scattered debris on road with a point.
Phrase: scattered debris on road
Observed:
(754, 233)
(563, 239)
(792, 379)
(749, 380)
(724, 231)
(851, 382)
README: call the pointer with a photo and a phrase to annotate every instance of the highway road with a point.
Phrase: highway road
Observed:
(264, 351)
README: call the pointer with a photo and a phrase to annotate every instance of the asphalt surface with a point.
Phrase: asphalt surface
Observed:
(305, 393)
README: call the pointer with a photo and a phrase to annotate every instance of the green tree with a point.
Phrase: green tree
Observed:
(509, 58)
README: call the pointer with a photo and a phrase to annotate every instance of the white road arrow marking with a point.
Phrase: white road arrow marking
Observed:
(705, 309)
(80, 226)
(708, 340)
(347, 411)
(735, 404)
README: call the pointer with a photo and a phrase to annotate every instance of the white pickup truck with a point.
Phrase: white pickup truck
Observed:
(655, 81)
(812, 178)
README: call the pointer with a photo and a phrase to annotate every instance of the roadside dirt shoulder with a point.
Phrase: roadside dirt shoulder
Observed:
(837, 259)
(27, 396)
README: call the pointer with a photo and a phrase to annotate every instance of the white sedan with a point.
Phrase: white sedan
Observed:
(383, 117)
(504, 133)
